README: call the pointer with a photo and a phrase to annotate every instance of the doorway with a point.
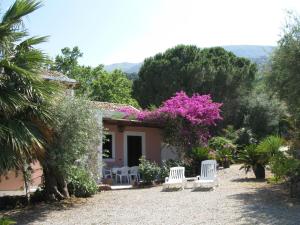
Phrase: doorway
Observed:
(134, 148)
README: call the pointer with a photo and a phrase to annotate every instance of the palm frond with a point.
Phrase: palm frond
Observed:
(20, 9)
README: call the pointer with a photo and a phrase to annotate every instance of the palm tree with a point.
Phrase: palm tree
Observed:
(24, 95)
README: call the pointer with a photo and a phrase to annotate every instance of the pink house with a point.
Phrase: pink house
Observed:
(128, 140)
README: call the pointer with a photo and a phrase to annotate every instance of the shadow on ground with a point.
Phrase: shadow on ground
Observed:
(269, 205)
(38, 212)
(252, 180)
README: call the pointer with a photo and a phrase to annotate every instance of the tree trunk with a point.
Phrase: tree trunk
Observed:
(259, 171)
(27, 179)
(55, 184)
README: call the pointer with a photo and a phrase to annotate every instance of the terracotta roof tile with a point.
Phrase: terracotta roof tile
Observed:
(57, 76)
(109, 106)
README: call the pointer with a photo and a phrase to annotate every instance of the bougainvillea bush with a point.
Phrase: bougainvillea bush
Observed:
(186, 119)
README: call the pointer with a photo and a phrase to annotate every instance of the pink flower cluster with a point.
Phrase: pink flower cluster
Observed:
(198, 109)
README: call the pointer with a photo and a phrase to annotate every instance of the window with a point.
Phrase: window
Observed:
(108, 147)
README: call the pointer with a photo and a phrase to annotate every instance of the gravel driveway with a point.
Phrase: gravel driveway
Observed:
(238, 200)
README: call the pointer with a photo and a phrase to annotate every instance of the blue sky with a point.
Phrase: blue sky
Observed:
(110, 31)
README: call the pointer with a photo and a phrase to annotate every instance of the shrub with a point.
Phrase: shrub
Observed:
(286, 167)
(245, 137)
(197, 155)
(81, 183)
(219, 143)
(224, 157)
(225, 150)
(6, 221)
(148, 170)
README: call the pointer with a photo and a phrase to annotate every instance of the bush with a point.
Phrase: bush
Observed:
(225, 150)
(81, 183)
(198, 155)
(149, 171)
(6, 221)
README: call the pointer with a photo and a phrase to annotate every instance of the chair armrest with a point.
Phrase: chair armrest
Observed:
(166, 179)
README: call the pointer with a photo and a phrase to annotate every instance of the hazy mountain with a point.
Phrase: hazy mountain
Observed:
(125, 67)
(257, 53)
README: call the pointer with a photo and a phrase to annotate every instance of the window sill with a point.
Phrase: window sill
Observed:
(108, 160)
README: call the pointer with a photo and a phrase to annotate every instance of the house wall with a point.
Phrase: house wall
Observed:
(153, 142)
(13, 181)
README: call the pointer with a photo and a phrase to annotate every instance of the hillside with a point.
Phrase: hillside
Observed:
(257, 53)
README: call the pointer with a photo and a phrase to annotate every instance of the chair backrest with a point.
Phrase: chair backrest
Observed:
(134, 170)
(106, 171)
(124, 170)
(176, 173)
(208, 169)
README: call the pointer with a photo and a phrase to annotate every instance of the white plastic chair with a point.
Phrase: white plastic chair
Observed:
(208, 177)
(106, 173)
(176, 179)
(123, 172)
(134, 173)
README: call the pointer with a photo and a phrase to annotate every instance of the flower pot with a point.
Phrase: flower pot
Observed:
(259, 171)
(226, 164)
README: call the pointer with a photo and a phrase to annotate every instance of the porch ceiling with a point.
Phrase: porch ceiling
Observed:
(132, 123)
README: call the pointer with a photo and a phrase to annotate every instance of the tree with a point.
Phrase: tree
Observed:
(95, 83)
(24, 96)
(75, 137)
(211, 71)
(263, 113)
(68, 61)
(284, 77)
(112, 87)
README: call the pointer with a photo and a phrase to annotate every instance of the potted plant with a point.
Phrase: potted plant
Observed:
(253, 159)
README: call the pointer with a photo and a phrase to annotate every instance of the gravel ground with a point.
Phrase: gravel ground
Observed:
(238, 200)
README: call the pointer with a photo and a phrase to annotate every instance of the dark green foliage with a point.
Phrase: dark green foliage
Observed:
(197, 155)
(225, 150)
(253, 159)
(208, 71)
(256, 157)
(262, 113)
(149, 171)
(24, 96)
(112, 87)
(81, 183)
(245, 137)
(68, 61)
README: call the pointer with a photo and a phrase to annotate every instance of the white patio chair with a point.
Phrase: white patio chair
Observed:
(123, 172)
(134, 173)
(106, 173)
(176, 179)
(208, 177)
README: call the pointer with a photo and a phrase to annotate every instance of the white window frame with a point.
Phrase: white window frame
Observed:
(113, 146)
(133, 133)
